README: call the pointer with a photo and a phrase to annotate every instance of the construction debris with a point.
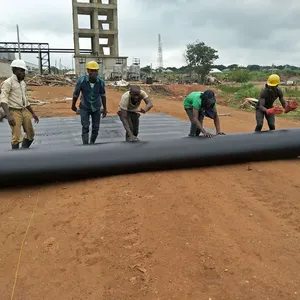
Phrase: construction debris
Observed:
(120, 83)
(37, 102)
(50, 80)
(249, 103)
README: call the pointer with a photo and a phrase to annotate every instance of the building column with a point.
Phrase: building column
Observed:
(115, 28)
(95, 28)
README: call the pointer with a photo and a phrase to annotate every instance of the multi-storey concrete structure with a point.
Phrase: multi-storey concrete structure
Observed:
(103, 34)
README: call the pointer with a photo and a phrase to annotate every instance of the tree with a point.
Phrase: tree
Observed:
(54, 70)
(232, 67)
(146, 69)
(200, 58)
(253, 67)
(220, 67)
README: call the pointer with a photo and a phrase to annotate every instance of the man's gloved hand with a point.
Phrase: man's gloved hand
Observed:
(291, 105)
(276, 110)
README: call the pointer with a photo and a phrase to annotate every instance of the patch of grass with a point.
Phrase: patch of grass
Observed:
(228, 89)
(247, 90)
(291, 92)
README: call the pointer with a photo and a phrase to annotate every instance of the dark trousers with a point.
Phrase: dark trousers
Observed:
(85, 115)
(260, 115)
(134, 123)
(194, 130)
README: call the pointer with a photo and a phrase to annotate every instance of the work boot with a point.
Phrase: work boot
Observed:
(85, 139)
(93, 138)
(26, 143)
(14, 146)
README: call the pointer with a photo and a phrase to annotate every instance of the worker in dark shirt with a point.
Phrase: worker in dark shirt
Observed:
(93, 96)
(265, 108)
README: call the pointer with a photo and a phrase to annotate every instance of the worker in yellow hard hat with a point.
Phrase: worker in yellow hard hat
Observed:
(265, 108)
(93, 97)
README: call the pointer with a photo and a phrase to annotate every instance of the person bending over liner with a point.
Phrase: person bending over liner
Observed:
(129, 111)
(199, 105)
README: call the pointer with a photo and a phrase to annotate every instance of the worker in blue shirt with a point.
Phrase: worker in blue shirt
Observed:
(93, 97)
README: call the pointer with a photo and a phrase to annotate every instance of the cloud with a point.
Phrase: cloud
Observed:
(244, 32)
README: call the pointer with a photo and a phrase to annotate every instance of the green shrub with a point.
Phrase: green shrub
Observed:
(239, 76)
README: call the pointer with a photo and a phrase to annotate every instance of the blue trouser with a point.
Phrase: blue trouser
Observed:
(85, 115)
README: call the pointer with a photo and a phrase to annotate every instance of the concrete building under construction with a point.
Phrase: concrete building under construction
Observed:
(103, 35)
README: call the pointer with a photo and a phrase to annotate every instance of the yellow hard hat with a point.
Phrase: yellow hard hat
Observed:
(273, 80)
(92, 65)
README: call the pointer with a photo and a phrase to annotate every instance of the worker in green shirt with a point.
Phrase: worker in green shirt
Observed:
(199, 105)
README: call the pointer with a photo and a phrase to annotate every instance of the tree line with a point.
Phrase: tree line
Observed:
(200, 59)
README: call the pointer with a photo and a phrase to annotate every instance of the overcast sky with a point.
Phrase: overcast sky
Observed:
(244, 32)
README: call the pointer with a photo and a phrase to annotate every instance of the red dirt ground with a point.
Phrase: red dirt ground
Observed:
(221, 233)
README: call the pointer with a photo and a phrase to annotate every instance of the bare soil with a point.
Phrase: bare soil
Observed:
(221, 233)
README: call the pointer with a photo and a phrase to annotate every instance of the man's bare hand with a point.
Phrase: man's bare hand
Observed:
(207, 134)
(11, 121)
(36, 118)
(133, 139)
(104, 114)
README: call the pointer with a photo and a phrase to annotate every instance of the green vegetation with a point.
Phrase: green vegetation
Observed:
(239, 76)
(290, 92)
(236, 95)
(200, 58)
(245, 90)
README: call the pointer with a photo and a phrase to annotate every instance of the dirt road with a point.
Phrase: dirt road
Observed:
(220, 233)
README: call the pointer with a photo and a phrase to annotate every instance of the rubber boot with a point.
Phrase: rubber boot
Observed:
(85, 139)
(93, 138)
(15, 146)
(26, 143)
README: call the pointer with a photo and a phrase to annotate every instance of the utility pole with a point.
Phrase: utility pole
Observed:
(18, 37)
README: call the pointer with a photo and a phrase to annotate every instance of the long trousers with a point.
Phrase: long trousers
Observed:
(23, 119)
(194, 130)
(134, 123)
(85, 115)
(260, 115)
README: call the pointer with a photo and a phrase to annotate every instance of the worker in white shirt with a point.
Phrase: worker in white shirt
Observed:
(129, 111)
(16, 106)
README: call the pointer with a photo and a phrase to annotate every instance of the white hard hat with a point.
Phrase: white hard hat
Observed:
(18, 63)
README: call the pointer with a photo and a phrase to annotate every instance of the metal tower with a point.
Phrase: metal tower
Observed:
(160, 54)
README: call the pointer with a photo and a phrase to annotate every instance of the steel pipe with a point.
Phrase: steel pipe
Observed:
(37, 166)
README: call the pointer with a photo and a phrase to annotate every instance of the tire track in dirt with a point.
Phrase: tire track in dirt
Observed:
(123, 238)
(268, 183)
(232, 252)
